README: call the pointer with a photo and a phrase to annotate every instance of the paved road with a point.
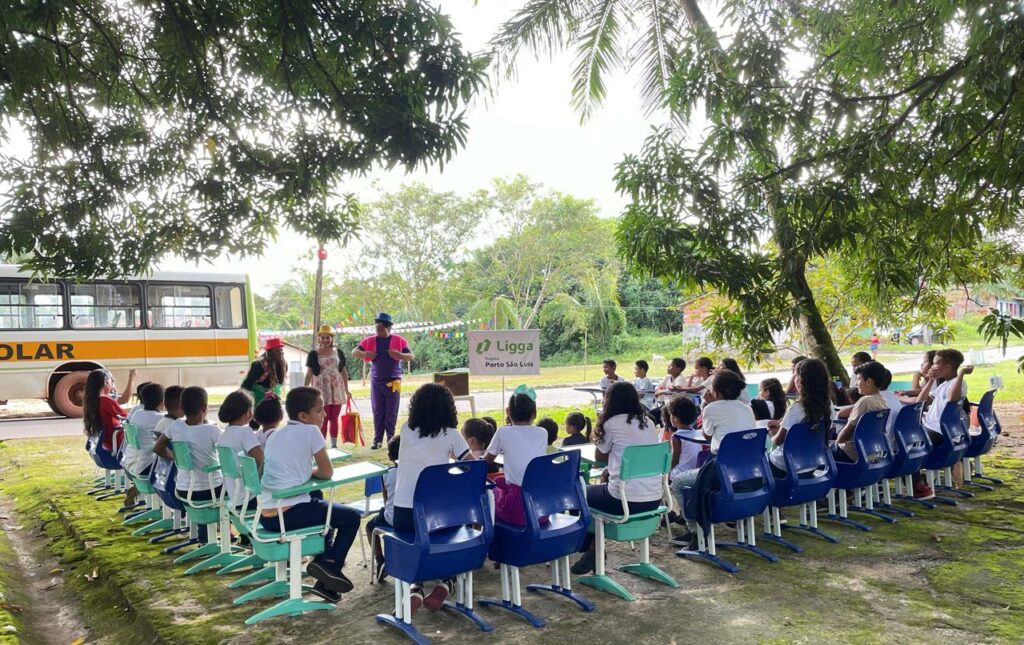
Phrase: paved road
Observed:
(557, 396)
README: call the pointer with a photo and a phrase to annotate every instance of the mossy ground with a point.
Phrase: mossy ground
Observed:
(8, 585)
(951, 574)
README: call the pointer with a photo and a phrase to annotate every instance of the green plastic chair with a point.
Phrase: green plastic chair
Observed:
(637, 461)
(235, 502)
(155, 516)
(212, 513)
(285, 549)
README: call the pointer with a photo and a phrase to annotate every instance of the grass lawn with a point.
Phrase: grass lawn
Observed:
(949, 575)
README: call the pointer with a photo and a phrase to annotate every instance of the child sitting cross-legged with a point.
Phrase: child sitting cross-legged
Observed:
(386, 515)
(287, 462)
(518, 443)
(201, 438)
(236, 411)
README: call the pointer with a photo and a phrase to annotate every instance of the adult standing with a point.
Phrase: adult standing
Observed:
(268, 372)
(327, 371)
(385, 352)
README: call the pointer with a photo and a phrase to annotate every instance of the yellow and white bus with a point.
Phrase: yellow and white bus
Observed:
(175, 328)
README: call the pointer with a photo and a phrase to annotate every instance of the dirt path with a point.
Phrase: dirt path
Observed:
(51, 613)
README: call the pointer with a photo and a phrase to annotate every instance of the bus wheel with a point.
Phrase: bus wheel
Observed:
(69, 394)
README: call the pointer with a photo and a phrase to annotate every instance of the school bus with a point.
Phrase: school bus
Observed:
(176, 328)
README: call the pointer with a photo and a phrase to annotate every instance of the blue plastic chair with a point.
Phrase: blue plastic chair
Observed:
(982, 443)
(810, 472)
(912, 447)
(107, 461)
(944, 455)
(452, 514)
(551, 489)
(874, 458)
(746, 490)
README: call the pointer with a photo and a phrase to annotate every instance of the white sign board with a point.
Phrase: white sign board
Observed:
(504, 353)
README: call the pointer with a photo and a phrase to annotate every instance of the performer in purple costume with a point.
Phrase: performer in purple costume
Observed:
(385, 352)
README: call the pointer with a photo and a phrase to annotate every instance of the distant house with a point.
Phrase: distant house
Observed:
(1011, 306)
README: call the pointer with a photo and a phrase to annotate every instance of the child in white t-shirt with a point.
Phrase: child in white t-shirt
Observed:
(146, 417)
(610, 377)
(287, 462)
(236, 411)
(723, 413)
(201, 437)
(386, 515)
(644, 385)
(623, 423)
(813, 405)
(518, 443)
(945, 386)
(682, 413)
(430, 437)
(267, 415)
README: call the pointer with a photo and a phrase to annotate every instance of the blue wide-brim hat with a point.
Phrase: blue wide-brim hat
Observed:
(383, 318)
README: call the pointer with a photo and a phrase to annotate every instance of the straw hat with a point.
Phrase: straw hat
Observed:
(325, 330)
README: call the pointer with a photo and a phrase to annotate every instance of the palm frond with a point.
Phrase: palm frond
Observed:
(543, 26)
(598, 51)
(655, 51)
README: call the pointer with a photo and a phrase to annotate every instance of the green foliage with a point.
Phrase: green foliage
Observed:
(1002, 327)
(435, 354)
(650, 304)
(196, 129)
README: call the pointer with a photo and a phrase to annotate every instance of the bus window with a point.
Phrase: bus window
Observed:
(229, 307)
(178, 306)
(105, 306)
(26, 305)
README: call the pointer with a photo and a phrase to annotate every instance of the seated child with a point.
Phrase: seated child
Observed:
(813, 405)
(386, 515)
(201, 438)
(173, 412)
(770, 403)
(236, 411)
(491, 422)
(610, 377)
(267, 416)
(682, 413)
(870, 377)
(919, 379)
(945, 385)
(138, 397)
(701, 373)
(577, 429)
(551, 426)
(723, 413)
(478, 434)
(146, 418)
(519, 443)
(644, 385)
(288, 460)
(791, 386)
(429, 438)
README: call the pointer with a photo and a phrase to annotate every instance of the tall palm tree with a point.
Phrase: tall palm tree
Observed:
(605, 34)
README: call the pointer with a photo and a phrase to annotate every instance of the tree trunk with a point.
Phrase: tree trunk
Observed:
(813, 328)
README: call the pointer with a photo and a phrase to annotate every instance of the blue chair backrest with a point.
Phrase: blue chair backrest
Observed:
(741, 458)
(911, 437)
(373, 486)
(987, 414)
(952, 426)
(869, 437)
(806, 447)
(451, 495)
(552, 484)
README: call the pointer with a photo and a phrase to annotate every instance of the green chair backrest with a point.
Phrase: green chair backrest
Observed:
(131, 435)
(182, 455)
(250, 474)
(645, 461)
(228, 462)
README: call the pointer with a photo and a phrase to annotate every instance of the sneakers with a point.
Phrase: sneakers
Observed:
(331, 578)
(676, 518)
(379, 574)
(415, 599)
(688, 541)
(923, 491)
(375, 446)
(320, 589)
(586, 564)
(435, 599)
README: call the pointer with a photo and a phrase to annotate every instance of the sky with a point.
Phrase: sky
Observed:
(526, 125)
